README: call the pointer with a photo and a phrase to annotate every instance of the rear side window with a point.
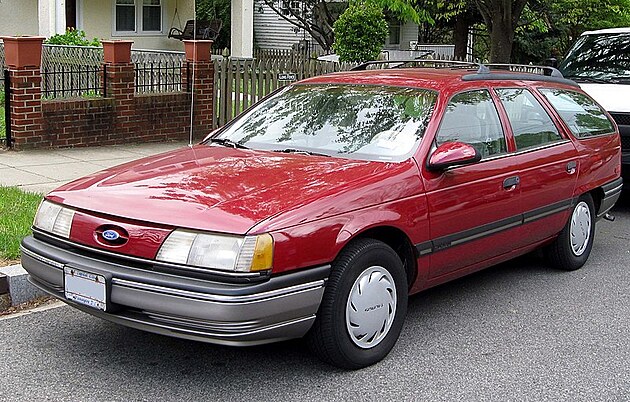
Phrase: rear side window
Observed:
(471, 117)
(531, 125)
(583, 116)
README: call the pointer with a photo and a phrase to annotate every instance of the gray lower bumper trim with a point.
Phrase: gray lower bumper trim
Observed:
(169, 305)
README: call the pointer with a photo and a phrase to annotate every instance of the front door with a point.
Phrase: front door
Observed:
(474, 210)
(71, 14)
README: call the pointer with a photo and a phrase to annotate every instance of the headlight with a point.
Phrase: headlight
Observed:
(222, 252)
(54, 218)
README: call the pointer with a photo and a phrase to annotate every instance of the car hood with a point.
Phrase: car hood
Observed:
(230, 190)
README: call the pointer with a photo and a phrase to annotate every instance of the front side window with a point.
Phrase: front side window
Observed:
(583, 116)
(362, 122)
(531, 125)
(138, 16)
(471, 117)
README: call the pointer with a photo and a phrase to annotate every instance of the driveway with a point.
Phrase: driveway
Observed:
(517, 332)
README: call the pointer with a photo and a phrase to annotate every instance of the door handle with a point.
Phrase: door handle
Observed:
(511, 182)
(571, 167)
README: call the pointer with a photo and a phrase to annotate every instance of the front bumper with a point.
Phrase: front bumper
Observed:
(282, 307)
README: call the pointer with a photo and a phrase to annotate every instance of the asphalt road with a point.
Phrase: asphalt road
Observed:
(517, 332)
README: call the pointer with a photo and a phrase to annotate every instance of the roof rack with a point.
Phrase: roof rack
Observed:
(484, 71)
(523, 68)
(419, 60)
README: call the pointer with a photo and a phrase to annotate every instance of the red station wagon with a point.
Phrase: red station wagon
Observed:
(319, 210)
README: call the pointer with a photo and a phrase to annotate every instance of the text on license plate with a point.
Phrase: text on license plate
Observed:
(85, 288)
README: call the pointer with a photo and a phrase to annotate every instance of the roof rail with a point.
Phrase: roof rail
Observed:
(523, 68)
(482, 69)
(431, 62)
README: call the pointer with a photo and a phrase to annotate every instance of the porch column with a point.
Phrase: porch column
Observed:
(242, 29)
(52, 17)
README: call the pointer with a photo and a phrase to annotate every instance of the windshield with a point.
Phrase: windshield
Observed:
(603, 57)
(363, 122)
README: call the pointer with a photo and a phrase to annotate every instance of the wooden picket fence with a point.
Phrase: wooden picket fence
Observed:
(241, 83)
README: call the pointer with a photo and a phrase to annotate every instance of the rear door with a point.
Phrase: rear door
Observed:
(474, 210)
(547, 165)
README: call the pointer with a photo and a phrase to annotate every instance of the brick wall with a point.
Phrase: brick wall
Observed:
(101, 121)
(122, 117)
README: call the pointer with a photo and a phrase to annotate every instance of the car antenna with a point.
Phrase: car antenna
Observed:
(192, 87)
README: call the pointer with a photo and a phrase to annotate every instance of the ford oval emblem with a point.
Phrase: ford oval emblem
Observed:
(111, 235)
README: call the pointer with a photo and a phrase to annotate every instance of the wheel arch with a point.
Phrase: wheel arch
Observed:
(398, 240)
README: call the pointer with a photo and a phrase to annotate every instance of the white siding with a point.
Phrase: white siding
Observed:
(408, 32)
(272, 31)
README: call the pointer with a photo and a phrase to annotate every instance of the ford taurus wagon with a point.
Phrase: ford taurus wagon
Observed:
(318, 211)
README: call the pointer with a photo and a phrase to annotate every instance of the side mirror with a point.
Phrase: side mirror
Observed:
(452, 154)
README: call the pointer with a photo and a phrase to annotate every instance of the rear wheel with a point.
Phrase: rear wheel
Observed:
(573, 246)
(363, 307)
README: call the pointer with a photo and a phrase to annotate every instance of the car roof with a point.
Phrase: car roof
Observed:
(435, 78)
(608, 31)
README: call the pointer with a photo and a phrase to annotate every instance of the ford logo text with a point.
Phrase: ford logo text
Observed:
(111, 235)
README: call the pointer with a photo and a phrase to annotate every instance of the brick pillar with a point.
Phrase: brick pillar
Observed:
(120, 85)
(200, 72)
(23, 58)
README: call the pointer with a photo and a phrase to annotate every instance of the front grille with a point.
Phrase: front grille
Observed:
(622, 119)
(625, 143)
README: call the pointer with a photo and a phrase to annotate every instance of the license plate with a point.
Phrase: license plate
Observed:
(85, 288)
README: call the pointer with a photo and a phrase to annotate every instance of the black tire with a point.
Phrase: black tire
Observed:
(560, 253)
(330, 337)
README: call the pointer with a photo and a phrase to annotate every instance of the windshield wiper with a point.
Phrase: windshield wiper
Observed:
(299, 151)
(585, 78)
(227, 143)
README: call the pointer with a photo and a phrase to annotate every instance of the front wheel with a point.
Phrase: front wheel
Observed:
(363, 307)
(573, 246)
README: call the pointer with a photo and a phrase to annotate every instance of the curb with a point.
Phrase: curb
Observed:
(15, 288)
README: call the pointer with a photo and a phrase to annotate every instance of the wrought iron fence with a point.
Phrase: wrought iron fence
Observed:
(73, 81)
(161, 76)
(1, 65)
(71, 71)
(158, 71)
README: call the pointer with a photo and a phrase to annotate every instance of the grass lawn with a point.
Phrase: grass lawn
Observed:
(17, 210)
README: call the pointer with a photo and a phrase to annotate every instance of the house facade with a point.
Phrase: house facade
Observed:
(272, 31)
(148, 22)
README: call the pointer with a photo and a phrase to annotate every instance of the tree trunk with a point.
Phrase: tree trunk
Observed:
(460, 37)
(501, 39)
(501, 18)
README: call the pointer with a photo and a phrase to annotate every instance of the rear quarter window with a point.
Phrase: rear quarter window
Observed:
(581, 114)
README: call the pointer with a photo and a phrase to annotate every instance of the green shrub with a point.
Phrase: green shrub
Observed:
(360, 32)
(73, 37)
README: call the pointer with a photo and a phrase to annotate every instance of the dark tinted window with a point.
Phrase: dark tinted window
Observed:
(583, 116)
(471, 117)
(531, 125)
(601, 57)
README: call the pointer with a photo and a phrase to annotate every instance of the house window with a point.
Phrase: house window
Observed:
(288, 6)
(394, 33)
(138, 16)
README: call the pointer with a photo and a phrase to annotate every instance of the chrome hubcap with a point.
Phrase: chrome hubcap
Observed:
(371, 307)
(580, 228)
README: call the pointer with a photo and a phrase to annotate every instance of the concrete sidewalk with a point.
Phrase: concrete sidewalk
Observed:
(41, 171)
